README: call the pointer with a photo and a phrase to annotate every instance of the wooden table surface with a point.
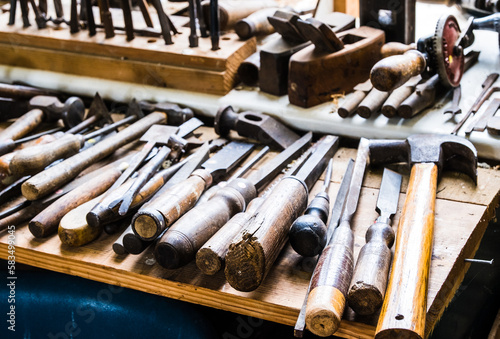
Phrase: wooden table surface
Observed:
(462, 215)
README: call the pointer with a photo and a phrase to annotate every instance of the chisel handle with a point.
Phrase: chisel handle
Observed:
(47, 222)
(12, 12)
(330, 282)
(34, 159)
(165, 209)
(372, 103)
(351, 103)
(391, 72)
(211, 256)
(369, 280)
(23, 125)
(49, 180)
(395, 48)
(391, 105)
(254, 250)
(405, 303)
(178, 246)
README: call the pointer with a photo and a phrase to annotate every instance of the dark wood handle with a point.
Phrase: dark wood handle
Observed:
(23, 125)
(369, 280)
(34, 159)
(211, 256)
(254, 250)
(49, 180)
(391, 105)
(74, 230)
(351, 103)
(46, 222)
(178, 246)
(372, 103)
(405, 304)
(330, 282)
(390, 73)
(165, 209)
(20, 216)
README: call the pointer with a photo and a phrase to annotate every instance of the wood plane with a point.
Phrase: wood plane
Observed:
(315, 75)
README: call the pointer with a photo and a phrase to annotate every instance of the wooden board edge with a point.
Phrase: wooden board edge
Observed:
(142, 73)
(459, 269)
(176, 290)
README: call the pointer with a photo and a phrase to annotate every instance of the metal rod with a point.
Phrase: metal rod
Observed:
(214, 24)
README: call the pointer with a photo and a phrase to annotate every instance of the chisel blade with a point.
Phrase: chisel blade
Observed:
(226, 159)
(388, 196)
(315, 165)
(272, 168)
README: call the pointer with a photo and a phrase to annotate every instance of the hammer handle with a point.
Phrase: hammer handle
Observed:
(47, 181)
(391, 72)
(46, 222)
(34, 159)
(23, 125)
(405, 304)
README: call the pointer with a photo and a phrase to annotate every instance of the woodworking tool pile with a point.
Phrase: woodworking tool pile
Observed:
(154, 182)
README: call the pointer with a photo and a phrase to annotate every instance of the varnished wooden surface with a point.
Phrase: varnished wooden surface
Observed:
(462, 214)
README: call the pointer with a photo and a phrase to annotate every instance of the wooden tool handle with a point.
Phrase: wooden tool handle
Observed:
(165, 209)
(74, 230)
(23, 125)
(395, 48)
(46, 222)
(20, 216)
(210, 257)
(390, 73)
(330, 282)
(34, 159)
(391, 105)
(254, 250)
(178, 246)
(405, 304)
(369, 280)
(372, 103)
(350, 104)
(49, 180)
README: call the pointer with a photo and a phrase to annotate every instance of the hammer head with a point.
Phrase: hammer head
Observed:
(446, 151)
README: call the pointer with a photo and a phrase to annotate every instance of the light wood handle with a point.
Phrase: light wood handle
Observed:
(330, 282)
(253, 252)
(46, 222)
(349, 106)
(372, 103)
(390, 73)
(34, 159)
(23, 125)
(178, 246)
(165, 209)
(211, 256)
(405, 304)
(369, 280)
(391, 105)
(395, 48)
(49, 180)
(74, 230)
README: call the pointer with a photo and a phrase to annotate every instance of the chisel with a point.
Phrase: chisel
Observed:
(179, 244)
(165, 209)
(333, 272)
(369, 280)
(254, 250)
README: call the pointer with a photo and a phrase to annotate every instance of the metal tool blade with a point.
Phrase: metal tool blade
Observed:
(315, 165)
(388, 196)
(159, 134)
(273, 167)
(189, 127)
(226, 159)
(340, 200)
(351, 203)
(198, 158)
(249, 164)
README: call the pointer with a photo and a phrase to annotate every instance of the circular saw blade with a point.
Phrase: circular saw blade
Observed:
(449, 64)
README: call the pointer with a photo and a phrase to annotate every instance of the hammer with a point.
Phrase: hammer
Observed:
(405, 304)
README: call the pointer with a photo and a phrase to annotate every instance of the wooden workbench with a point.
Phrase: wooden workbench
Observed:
(462, 215)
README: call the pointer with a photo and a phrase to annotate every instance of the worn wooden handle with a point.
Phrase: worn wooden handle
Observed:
(254, 250)
(391, 105)
(49, 180)
(390, 73)
(178, 246)
(34, 159)
(330, 282)
(20, 216)
(23, 125)
(165, 209)
(372, 103)
(349, 106)
(369, 280)
(395, 48)
(210, 257)
(46, 222)
(74, 230)
(405, 304)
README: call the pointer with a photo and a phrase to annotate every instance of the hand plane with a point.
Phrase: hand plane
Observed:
(333, 64)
